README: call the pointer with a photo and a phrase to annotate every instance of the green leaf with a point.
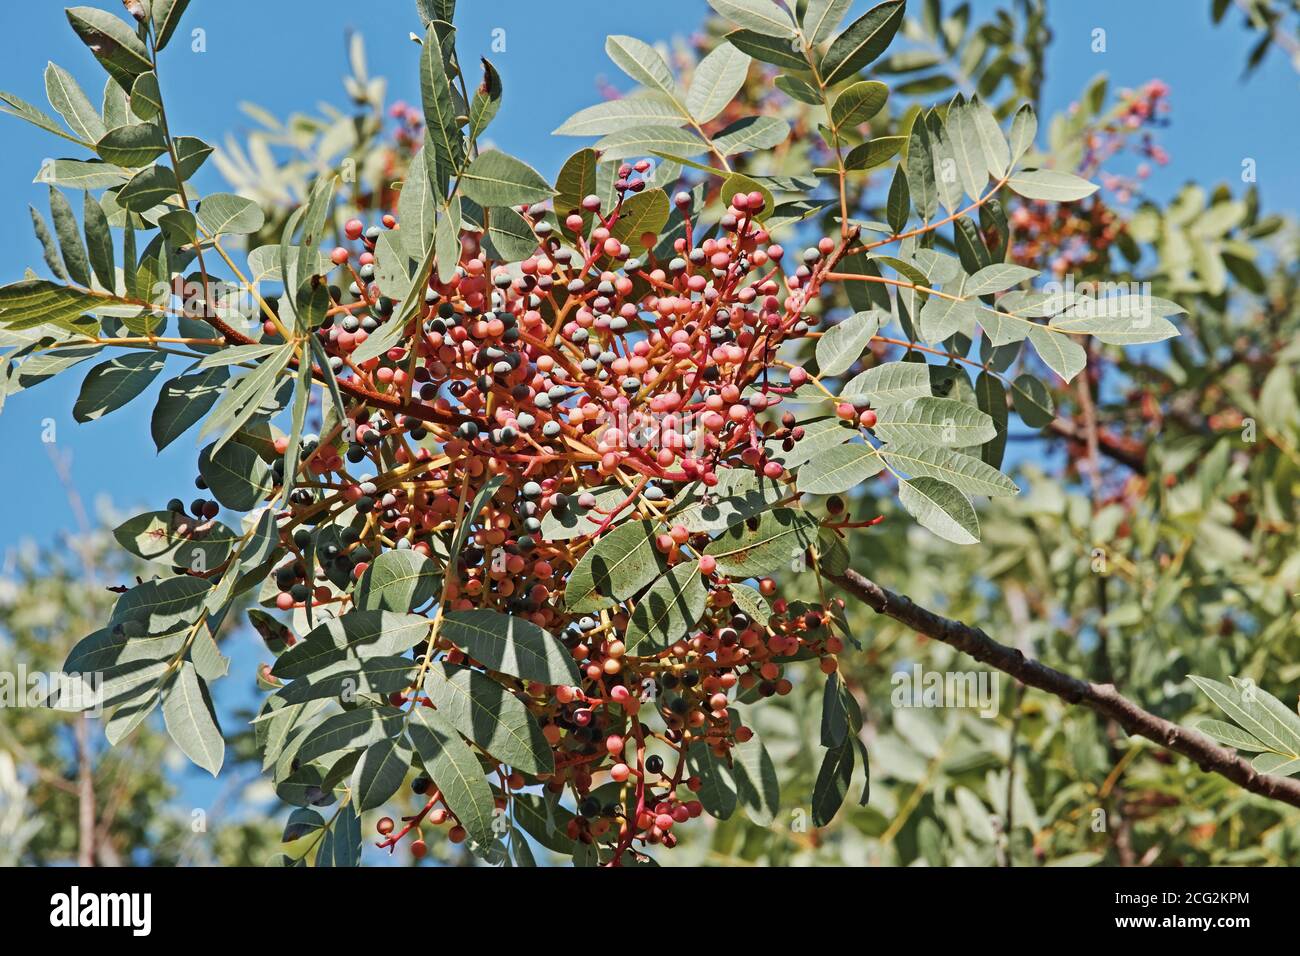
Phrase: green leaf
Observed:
(798, 89)
(128, 684)
(146, 97)
(1231, 735)
(113, 42)
(716, 81)
(70, 101)
(17, 106)
(574, 521)
(821, 17)
(941, 508)
(962, 471)
(444, 148)
(159, 606)
(934, 421)
(839, 469)
(1117, 329)
(65, 227)
(166, 16)
(751, 602)
(673, 605)
(74, 174)
(1276, 764)
(1050, 185)
(621, 563)
(132, 146)
(246, 396)
(510, 235)
(110, 385)
(486, 102)
(226, 214)
(650, 140)
(1061, 354)
(576, 181)
(889, 384)
(34, 302)
(996, 277)
(993, 145)
(819, 435)
(115, 104)
(99, 242)
(379, 773)
(1024, 126)
(148, 188)
(832, 784)
(510, 645)
(864, 40)
(992, 400)
(842, 344)
(899, 203)
(303, 821)
(858, 104)
(840, 712)
(774, 50)
(739, 494)
(396, 581)
(190, 156)
(644, 212)
(172, 538)
(446, 243)
(191, 721)
(1253, 709)
(352, 679)
(920, 172)
(235, 475)
(778, 536)
(350, 731)
(646, 108)
(751, 133)
(1033, 401)
(717, 790)
(417, 206)
(490, 716)
(184, 400)
(111, 646)
(967, 148)
(948, 184)
(873, 152)
(49, 248)
(761, 16)
(758, 788)
(455, 771)
(471, 517)
(641, 62)
(497, 179)
(358, 635)
(341, 844)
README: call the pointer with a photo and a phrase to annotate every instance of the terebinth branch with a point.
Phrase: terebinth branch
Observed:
(1102, 698)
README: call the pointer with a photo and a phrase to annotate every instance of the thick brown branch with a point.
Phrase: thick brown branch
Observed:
(1126, 451)
(1102, 698)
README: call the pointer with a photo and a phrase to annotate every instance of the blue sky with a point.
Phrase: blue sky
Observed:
(276, 55)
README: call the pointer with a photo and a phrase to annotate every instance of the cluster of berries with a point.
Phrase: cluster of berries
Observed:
(587, 366)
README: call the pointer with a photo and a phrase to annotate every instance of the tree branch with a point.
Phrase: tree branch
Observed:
(1127, 451)
(1102, 698)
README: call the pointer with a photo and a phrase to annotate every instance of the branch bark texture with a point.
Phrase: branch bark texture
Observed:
(1102, 698)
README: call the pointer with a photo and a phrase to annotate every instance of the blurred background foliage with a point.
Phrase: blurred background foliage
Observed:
(1155, 536)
